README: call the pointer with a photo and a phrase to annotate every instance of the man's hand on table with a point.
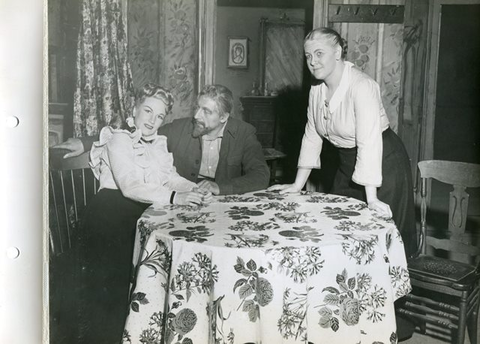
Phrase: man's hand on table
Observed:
(75, 147)
(209, 186)
(284, 188)
(195, 197)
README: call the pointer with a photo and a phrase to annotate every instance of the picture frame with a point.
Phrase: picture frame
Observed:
(237, 52)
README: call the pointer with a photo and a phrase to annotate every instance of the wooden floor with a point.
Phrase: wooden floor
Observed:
(418, 338)
(62, 294)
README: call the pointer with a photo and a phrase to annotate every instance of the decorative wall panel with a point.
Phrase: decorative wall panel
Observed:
(181, 67)
(162, 48)
(144, 50)
(376, 49)
(391, 71)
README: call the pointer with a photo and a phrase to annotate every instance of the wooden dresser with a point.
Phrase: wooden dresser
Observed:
(259, 111)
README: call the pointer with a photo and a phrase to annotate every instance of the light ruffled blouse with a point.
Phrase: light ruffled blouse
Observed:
(354, 117)
(142, 171)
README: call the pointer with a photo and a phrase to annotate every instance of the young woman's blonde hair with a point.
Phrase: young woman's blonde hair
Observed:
(149, 90)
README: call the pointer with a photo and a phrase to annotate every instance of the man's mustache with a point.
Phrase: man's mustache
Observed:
(198, 123)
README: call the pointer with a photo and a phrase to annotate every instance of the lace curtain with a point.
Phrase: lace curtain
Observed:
(104, 86)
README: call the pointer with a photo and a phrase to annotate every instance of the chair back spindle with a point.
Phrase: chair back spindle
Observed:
(71, 185)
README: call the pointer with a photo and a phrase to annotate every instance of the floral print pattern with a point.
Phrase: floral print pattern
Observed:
(254, 291)
(298, 263)
(349, 299)
(163, 47)
(104, 87)
(199, 275)
(292, 322)
(303, 267)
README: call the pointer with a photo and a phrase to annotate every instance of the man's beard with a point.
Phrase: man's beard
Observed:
(199, 129)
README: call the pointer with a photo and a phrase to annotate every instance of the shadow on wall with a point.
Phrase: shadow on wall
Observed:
(291, 109)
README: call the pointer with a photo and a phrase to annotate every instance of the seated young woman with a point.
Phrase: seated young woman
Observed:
(135, 170)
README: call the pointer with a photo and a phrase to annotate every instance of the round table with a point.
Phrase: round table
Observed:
(269, 268)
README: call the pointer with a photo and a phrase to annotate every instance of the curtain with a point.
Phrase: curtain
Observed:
(104, 87)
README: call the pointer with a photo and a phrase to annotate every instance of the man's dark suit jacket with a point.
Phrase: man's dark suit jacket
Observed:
(241, 164)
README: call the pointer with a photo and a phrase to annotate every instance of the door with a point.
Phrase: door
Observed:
(452, 130)
(457, 108)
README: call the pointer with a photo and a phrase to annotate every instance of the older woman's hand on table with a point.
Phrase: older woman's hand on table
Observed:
(382, 208)
(284, 188)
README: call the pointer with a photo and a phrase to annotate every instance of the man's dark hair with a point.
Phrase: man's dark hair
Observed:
(221, 95)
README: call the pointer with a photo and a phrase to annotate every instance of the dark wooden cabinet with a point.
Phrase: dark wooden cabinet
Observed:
(259, 111)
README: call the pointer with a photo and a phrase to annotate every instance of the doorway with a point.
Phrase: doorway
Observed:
(457, 110)
(453, 109)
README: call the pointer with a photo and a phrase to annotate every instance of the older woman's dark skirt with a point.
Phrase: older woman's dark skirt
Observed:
(105, 254)
(396, 189)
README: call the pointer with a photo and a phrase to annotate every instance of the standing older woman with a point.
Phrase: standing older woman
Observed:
(135, 170)
(347, 110)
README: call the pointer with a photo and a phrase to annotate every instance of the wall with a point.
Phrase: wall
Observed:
(376, 49)
(243, 21)
(63, 23)
(163, 46)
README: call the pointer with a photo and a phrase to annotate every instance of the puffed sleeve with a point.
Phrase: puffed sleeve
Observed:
(312, 141)
(128, 177)
(98, 148)
(368, 109)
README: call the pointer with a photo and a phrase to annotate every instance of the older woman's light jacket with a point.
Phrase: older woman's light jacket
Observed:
(354, 117)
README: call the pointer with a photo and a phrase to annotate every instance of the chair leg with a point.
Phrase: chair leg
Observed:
(462, 321)
(472, 325)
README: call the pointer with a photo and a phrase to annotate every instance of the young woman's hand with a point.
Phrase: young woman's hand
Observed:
(75, 146)
(380, 207)
(210, 186)
(192, 198)
(207, 195)
(284, 188)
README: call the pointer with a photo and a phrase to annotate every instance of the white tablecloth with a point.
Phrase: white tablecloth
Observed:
(266, 268)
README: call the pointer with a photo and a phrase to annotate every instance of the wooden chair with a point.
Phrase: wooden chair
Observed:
(445, 297)
(71, 185)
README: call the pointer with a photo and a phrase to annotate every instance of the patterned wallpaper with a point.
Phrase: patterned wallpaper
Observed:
(162, 48)
(376, 49)
(143, 42)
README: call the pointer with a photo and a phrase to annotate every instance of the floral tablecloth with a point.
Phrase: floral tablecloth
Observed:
(266, 268)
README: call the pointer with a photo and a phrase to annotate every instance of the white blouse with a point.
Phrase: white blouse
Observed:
(354, 117)
(142, 171)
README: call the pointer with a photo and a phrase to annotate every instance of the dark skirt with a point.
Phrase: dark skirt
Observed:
(105, 252)
(396, 189)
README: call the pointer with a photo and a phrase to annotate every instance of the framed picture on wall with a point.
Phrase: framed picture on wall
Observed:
(237, 52)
